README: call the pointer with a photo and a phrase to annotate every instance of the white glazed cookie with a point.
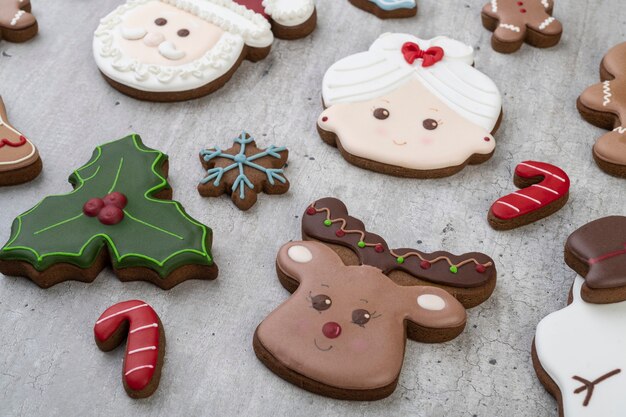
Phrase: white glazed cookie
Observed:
(411, 107)
(168, 50)
(580, 353)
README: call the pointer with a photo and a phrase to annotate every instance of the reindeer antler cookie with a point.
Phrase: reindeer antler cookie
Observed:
(604, 105)
(342, 332)
(17, 24)
(514, 22)
(19, 158)
(471, 277)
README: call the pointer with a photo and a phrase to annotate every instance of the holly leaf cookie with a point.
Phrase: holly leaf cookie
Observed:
(604, 105)
(243, 171)
(17, 24)
(120, 214)
(19, 158)
(342, 333)
(290, 19)
(388, 9)
(470, 277)
(514, 22)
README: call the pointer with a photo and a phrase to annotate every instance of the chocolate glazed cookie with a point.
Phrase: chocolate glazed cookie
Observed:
(471, 277)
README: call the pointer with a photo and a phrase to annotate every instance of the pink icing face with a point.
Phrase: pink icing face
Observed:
(160, 34)
(409, 127)
(344, 326)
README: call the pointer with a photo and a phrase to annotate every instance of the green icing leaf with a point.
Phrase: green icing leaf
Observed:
(154, 233)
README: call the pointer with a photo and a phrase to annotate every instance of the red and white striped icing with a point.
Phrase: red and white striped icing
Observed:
(142, 346)
(554, 186)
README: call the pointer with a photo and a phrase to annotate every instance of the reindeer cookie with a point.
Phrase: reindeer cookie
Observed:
(578, 354)
(604, 105)
(470, 277)
(410, 107)
(290, 19)
(388, 9)
(19, 158)
(514, 22)
(17, 24)
(343, 331)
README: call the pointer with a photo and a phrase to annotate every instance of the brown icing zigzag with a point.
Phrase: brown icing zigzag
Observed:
(327, 220)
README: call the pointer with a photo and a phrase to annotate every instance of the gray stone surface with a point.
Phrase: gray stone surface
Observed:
(49, 363)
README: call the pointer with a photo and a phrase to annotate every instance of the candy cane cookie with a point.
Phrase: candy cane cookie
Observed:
(17, 24)
(145, 347)
(544, 190)
(19, 158)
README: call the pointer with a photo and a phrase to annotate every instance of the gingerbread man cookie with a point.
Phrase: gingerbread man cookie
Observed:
(343, 331)
(514, 22)
(388, 9)
(604, 105)
(119, 213)
(244, 171)
(17, 24)
(19, 158)
(290, 19)
(137, 322)
(470, 277)
(410, 107)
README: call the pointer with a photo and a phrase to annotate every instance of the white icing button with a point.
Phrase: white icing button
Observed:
(431, 302)
(300, 254)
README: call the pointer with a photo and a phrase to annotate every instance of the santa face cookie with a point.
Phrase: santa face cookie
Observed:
(410, 107)
(514, 22)
(388, 9)
(17, 24)
(604, 105)
(579, 357)
(290, 19)
(342, 332)
(173, 50)
(19, 159)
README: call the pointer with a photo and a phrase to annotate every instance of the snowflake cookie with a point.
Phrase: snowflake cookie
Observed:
(243, 171)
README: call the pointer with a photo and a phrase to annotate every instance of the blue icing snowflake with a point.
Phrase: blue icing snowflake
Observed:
(240, 160)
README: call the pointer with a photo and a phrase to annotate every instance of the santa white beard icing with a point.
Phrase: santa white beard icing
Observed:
(411, 107)
(167, 50)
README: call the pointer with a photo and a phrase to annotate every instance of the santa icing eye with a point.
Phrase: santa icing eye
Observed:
(183, 33)
(320, 302)
(160, 21)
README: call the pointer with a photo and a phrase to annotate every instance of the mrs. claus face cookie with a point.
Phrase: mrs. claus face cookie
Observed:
(410, 107)
(342, 332)
(604, 105)
(168, 50)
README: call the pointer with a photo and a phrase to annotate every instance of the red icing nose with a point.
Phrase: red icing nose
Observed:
(331, 330)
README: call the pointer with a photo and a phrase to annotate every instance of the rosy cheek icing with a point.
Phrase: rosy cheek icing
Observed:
(359, 345)
(381, 131)
(426, 140)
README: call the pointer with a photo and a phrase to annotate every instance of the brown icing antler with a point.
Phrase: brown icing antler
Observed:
(17, 24)
(589, 386)
(470, 277)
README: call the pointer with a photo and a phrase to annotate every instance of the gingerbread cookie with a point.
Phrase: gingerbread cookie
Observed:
(17, 24)
(145, 347)
(545, 190)
(119, 213)
(171, 50)
(597, 251)
(410, 107)
(243, 171)
(514, 22)
(578, 354)
(388, 9)
(604, 105)
(19, 158)
(471, 277)
(290, 19)
(343, 331)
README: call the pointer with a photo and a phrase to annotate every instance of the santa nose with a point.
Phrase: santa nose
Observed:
(153, 39)
(331, 330)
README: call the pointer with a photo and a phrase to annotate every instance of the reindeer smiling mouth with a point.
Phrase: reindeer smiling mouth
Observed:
(399, 143)
(322, 349)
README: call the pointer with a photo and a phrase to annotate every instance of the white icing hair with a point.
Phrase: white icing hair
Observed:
(382, 69)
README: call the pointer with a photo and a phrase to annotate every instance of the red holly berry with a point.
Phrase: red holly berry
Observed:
(116, 199)
(340, 233)
(379, 248)
(480, 268)
(310, 211)
(93, 207)
(425, 265)
(110, 215)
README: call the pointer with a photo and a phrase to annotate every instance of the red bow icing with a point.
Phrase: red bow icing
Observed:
(12, 144)
(429, 57)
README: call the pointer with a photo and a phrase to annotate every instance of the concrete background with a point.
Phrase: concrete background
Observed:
(49, 363)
